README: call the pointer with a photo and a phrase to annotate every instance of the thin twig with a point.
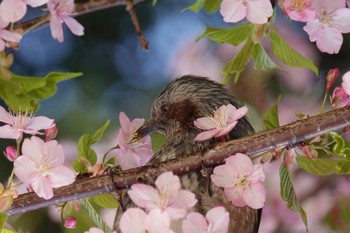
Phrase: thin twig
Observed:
(135, 21)
(263, 141)
(80, 9)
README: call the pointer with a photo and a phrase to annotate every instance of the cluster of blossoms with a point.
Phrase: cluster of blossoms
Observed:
(61, 11)
(168, 202)
(325, 20)
(39, 163)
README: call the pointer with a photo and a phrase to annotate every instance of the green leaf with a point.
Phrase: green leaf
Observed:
(322, 166)
(111, 162)
(288, 55)
(270, 117)
(262, 60)
(288, 193)
(79, 167)
(95, 217)
(5, 230)
(237, 64)
(339, 143)
(234, 35)
(197, 6)
(84, 146)
(344, 167)
(105, 200)
(3, 219)
(23, 93)
(154, 2)
(211, 6)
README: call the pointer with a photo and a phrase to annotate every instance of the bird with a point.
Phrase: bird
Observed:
(173, 113)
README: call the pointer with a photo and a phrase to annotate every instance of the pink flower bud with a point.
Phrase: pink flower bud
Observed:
(11, 153)
(51, 132)
(70, 223)
(289, 156)
(332, 76)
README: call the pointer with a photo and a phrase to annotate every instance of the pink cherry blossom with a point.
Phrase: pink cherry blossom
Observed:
(14, 10)
(332, 19)
(224, 120)
(256, 11)
(167, 196)
(135, 220)
(11, 153)
(7, 36)
(341, 95)
(41, 166)
(61, 12)
(299, 10)
(18, 124)
(216, 221)
(132, 153)
(242, 181)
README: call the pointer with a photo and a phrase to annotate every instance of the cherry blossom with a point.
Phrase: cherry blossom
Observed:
(41, 166)
(332, 19)
(96, 230)
(132, 153)
(167, 196)
(7, 36)
(224, 120)
(11, 153)
(18, 124)
(14, 10)
(216, 221)
(135, 220)
(241, 180)
(61, 11)
(256, 11)
(299, 10)
(341, 95)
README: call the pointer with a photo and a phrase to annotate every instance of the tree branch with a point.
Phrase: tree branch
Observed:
(263, 141)
(80, 9)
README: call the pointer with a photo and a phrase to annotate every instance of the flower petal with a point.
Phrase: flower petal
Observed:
(223, 177)
(41, 186)
(9, 132)
(218, 219)
(232, 10)
(144, 196)
(255, 196)
(60, 176)
(206, 135)
(74, 26)
(194, 223)
(39, 123)
(259, 11)
(133, 221)
(235, 196)
(12, 10)
(242, 164)
(168, 184)
(157, 222)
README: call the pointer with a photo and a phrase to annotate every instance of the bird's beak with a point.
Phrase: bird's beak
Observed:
(147, 128)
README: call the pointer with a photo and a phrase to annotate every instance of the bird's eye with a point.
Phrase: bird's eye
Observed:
(164, 108)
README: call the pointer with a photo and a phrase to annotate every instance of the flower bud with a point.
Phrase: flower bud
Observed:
(70, 223)
(332, 76)
(51, 132)
(11, 153)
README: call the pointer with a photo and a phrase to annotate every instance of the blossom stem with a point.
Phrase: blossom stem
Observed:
(105, 155)
(37, 24)
(324, 102)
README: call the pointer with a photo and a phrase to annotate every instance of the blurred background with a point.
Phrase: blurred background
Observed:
(120, 76)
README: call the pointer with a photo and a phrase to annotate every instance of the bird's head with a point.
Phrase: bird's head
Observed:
(183, 101)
